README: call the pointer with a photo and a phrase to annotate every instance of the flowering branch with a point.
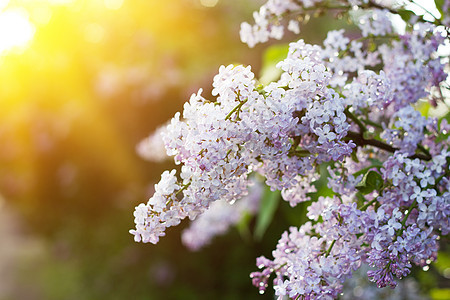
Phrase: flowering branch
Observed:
(359, 139)
(235, 109)
(291, 127)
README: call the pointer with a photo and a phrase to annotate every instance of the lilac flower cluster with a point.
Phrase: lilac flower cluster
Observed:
(333, 252)
(409, 236)
(268, 20)
(267, 130)
(400, 229)
(352, 104)
(402, 219)
(152, 148)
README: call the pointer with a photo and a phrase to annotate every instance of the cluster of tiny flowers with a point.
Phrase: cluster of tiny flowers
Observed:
(152, 148)
(376, 22)
(368, 90)
(411, 211)
(409, 125)
(350, 104)
(152, 219)
(267, 21)
(333, 252)
(220, 143)
(323, 124)
(413, 70)
(402, 229)
(300, 191)
(220, 216)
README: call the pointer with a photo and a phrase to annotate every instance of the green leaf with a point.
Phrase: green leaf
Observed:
(439, 5)
(374, 179)
(405, 14)
(295, 216)
(243, 226)
(273, 55)
(269, 204)
(361, 199)
(375, 164)
(371, 181)
(423, 107)
(354, 156)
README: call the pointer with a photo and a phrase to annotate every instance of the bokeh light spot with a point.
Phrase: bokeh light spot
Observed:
(94, 33)
(3, 3)
(209, 3)
(41, 15)
(15, 29)
(113, 4)
(61, 2)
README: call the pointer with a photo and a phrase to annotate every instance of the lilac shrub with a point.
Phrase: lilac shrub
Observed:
(352, 103)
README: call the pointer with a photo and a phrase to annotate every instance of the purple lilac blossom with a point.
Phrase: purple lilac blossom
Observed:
(344, 104)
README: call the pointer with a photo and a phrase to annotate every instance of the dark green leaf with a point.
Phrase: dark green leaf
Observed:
(269, 205)
(405, 14)
(374, 179)
(364, 189)
(243, 226)
(354, 157)
(361, 199)
(375, 164)
(371, 181)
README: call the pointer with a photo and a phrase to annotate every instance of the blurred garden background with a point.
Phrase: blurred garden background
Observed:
(81, 83)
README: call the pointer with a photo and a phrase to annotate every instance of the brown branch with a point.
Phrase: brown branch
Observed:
(359, 140)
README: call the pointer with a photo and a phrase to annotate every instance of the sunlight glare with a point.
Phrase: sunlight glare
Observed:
(3, 4)
(61, 2)
(113, 4)
(15, 29)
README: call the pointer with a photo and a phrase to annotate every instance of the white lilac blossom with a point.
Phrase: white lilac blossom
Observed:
(152, 148)
(375, 22)
(351, 104)
(268, 18)
(219, 143)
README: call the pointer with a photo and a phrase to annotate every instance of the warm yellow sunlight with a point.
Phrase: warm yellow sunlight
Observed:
(15, 29)
(113, 4)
